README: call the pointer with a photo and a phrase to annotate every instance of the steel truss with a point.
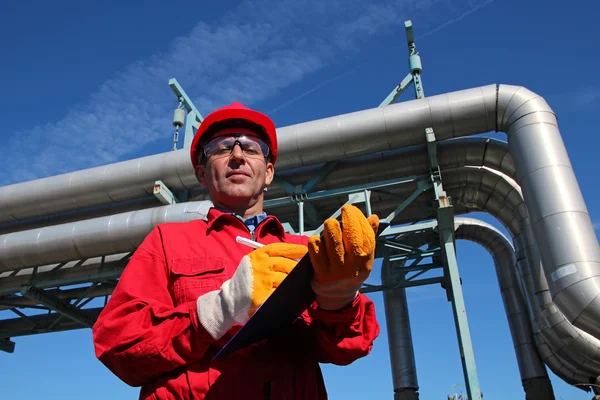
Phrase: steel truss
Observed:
(61, 297)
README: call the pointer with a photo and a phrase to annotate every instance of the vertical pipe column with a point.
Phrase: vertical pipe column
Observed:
(301, 217)
(402, 356)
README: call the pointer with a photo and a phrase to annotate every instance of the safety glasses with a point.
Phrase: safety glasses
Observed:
(222, 146)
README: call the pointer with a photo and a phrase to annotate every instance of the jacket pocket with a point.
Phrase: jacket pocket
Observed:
(195, 276)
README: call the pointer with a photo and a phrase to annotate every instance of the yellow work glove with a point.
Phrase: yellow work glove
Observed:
(257, 276)
(343, 259)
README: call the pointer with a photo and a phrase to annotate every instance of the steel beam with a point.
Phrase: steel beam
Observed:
(72, 276)
(397, 91)
(421, 187)
(415, 66)
(57, 304)
(7, 345)
(413, 256)
(397, 230)
(422, 282)
(15, 327)
(352, 199)
(89, 292)
(194, 117)
(445, 221)
(446, 231)
(162, 193)
(341, 191)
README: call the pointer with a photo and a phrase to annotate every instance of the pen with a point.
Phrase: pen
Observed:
(248, 242)
(252, 243)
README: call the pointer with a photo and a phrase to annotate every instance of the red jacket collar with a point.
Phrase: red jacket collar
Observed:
(271, 223)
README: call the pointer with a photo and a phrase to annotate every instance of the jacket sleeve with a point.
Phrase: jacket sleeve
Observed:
(343, 336)
(140, 334)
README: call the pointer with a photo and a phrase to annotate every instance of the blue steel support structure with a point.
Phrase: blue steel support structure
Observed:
(193, 119)
(415, 67)
(445, 218)
(445, 226)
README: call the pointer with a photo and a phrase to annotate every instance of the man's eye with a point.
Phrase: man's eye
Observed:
(251, 150)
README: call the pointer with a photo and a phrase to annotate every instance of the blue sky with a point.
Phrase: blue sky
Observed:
(85, 84)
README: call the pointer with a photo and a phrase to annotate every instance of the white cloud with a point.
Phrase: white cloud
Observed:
(251, 54)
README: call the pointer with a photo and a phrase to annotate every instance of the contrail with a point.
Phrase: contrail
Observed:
(347, 73)
(453, 21)
(320, 85)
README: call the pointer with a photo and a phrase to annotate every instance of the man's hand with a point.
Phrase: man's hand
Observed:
(343, 259)
(257, 276)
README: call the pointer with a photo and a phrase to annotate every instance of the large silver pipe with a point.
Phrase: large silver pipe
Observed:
(399, 333)
(568, 342)
(460, 113)
(503, 255)
(566, 364)
(402, 358)
(36, 247)
(565, 369)
(534, 377)
(91, 187)
(372, 167)
(559, 367)
(559, 217)
(90, 238)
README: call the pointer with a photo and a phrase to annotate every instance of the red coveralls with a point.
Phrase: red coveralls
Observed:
(149, 335)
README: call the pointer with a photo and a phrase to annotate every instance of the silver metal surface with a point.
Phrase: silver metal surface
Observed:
(90, 238)
(95, 186)
(567, 342)
(402, 357)
(530, 363)
(395, 126)
(552, 195)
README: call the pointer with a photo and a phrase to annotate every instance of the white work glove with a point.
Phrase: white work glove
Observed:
(257, 276)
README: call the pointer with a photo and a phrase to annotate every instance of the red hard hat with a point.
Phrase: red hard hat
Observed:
(235, 111)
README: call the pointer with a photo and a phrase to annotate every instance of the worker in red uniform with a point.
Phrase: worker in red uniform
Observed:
(190, 286)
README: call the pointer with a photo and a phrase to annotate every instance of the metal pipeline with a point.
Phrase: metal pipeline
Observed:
(535, 380)
(399, 333)
(80, 240)
(371, 167)
(460, 113)
(531, 367)
(569, 343)
(559, 218)
(36, 247)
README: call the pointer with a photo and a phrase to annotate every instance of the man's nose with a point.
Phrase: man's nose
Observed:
(237, 153)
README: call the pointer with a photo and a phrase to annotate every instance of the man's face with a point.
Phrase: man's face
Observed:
(235, 179)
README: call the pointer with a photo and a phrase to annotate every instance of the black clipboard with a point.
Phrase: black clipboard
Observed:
(291, 298)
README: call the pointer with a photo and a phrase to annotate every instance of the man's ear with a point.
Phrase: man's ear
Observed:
(270, 173)
(200, 170)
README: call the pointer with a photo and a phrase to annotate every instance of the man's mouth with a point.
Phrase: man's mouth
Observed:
(237, 173)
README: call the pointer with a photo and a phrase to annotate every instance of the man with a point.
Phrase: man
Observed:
(190, 286)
